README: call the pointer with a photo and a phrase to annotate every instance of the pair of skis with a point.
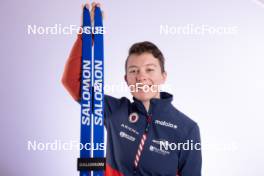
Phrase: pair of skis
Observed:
(92, 152)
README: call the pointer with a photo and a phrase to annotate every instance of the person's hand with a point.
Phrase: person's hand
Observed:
(87, 5)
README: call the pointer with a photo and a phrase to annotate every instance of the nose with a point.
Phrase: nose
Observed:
(141, 77)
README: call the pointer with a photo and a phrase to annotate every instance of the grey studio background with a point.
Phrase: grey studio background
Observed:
(216, 78)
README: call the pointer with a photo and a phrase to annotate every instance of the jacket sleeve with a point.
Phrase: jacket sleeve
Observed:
(72, 71)
(190, 161)
(71, 78)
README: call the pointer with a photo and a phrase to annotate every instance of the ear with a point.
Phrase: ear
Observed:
(164, 76)
(125, 78)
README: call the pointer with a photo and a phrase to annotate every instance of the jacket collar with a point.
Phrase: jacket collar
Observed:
(156, 104)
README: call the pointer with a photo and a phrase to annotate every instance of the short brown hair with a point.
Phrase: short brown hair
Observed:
(147, 47)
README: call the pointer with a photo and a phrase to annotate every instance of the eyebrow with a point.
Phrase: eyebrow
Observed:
(151, 65)
(134, 66)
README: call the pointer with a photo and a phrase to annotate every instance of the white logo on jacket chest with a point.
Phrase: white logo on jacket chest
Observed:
(155, 147)
(126, 136)
(129, 129)
(166, 124)
(157, 150)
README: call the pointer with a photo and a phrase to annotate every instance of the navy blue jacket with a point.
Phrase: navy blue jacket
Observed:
(166, 124)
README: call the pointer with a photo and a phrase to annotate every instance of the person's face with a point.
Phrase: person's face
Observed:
(144, 75)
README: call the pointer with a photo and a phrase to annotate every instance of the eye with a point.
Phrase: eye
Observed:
(150, 69)
(132, 71)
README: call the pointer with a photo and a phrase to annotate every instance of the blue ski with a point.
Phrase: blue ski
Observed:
(98, 121)
(92, 161)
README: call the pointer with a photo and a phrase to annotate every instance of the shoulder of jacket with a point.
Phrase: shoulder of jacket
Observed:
(184, 123)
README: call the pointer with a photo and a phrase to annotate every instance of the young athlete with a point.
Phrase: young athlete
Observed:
(149, 135)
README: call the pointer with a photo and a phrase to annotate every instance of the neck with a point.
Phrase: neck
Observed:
(147, 102)
(146, 105)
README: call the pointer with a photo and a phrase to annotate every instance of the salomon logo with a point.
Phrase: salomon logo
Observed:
(98, 93)
(86, 95)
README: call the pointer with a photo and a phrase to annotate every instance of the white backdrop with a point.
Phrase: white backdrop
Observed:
(216, 79)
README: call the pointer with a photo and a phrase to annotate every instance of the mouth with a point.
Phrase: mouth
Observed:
(144, 87)
(140, 85)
